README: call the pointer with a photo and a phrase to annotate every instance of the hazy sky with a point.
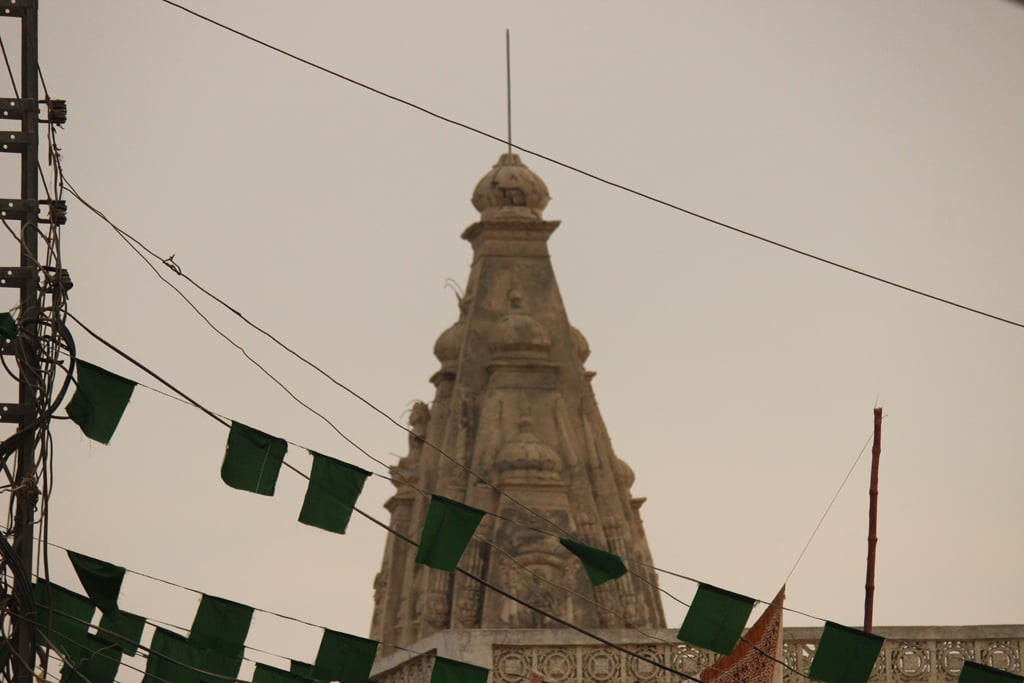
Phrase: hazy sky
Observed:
(736, 379)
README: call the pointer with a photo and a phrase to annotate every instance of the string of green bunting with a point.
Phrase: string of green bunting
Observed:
(213, 651)
(252, 462)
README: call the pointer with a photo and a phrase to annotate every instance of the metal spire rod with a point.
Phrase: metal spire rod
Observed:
(508, 85)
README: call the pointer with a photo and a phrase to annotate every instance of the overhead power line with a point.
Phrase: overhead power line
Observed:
(141, 250)
(387, 528)
(594, 176)
(225, 422)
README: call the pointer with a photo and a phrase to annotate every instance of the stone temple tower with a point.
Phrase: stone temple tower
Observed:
(515, 416)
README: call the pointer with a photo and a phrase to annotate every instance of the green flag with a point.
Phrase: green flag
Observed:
(101, 580)
(99, 401)
(452, 671)
(979, 673)
(252, 460)
(265, 673)
(98, 663)
(600, 565)
(446, 533)
(302, 669)
(63, 618)
(333, 489)
(172, 659)
(221, 625)
(175, 659)
(123, 630)
(716, 619)
(845, 655)
(8, 328)
(344, 658)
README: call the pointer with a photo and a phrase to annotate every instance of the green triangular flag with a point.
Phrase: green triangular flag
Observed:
(452, 671)
(221, 625)
(99, 401)
(8, 327)
(344, 658)
(334, 487)
(63, 618)
(979, 673)
(716, 619)
(265, 673)
(252, 460)
(123, 630)
(845, 655)
(98, 663)
(101, 580)
(600, 565)
(446, 533)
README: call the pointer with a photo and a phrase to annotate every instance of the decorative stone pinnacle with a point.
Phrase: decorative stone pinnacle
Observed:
(511, 192)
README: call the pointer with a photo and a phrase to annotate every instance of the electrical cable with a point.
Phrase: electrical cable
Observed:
(174, 267)
(7, 63)
(595, 176)
(537, 577)
(147, 652)
(828, 508)
(40, 348)
(388, 529)
(138, 247)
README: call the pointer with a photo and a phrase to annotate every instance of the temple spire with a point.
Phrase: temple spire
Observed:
(514, 404)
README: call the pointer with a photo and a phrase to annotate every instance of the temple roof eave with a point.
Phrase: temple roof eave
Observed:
(510, 228)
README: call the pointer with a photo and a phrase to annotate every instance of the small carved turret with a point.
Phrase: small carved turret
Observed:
(510, 191)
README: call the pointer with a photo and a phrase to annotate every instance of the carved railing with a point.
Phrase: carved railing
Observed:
(909, 655)
(925, 654)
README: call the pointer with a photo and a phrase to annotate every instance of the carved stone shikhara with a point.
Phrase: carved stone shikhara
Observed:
(514, 405)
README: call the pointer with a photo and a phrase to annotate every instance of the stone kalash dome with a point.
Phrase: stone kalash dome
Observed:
(510, 191)
(514, 404)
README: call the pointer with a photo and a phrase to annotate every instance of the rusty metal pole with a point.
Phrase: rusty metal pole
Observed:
(29, 368)
(869, 585)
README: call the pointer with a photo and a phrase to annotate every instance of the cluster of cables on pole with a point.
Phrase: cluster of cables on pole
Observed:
(37, 351)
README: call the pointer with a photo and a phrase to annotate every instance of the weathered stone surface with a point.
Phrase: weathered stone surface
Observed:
(513, 405)
(926, 654)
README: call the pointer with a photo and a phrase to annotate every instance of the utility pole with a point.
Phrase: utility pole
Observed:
(869, 584)
(28, 412)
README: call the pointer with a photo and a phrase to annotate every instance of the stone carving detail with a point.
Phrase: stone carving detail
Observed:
(512, 664)
(1002, 654)
(416, 670)
(602, 666)
(926, 660)
(950, 656)
(644, 671)
(910, 662)
(688, 659)
(557, 665)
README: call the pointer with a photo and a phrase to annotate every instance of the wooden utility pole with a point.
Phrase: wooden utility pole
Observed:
(869, 585)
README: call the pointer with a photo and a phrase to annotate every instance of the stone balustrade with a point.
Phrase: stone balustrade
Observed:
(911, 654)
